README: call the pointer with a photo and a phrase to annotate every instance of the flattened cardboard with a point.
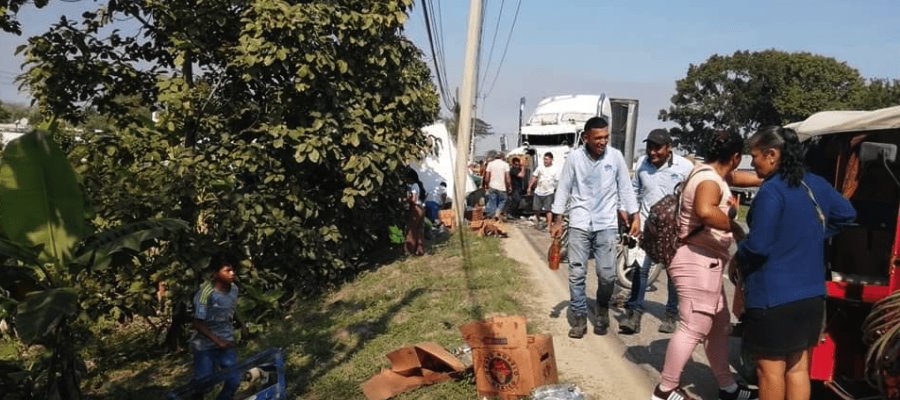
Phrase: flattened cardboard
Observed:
(412, 367)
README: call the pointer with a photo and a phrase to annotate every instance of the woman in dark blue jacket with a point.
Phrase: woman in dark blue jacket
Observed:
(782, 262)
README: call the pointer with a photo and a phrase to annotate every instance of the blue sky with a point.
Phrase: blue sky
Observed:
(632, 49)
(639, 49)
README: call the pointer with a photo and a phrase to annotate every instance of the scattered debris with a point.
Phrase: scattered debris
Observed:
(412, 367)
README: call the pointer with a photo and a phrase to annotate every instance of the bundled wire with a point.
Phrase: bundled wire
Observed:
(881, 332)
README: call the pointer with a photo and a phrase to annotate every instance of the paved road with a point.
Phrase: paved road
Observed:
(647, 349)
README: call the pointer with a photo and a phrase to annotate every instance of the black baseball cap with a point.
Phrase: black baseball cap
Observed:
(659, 136)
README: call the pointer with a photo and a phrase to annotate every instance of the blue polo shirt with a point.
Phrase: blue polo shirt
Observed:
(652, 184)
(783, 257)
(594, 189)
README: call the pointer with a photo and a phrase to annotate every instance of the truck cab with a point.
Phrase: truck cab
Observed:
(555, 126)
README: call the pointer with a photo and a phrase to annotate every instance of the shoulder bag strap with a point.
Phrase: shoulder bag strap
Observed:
(812, 197)
(680, 191)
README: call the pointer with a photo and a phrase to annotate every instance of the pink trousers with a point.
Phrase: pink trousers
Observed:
(703, 310)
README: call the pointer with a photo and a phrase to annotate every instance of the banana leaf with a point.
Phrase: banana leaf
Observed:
(40, 199)
(97, 251)
(42, 312)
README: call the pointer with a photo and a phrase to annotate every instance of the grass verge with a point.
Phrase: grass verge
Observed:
(337, 342)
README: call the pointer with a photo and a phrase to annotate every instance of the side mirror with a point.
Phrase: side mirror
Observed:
(871, 151)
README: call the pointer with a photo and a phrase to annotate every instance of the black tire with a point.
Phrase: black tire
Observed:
(624, 273)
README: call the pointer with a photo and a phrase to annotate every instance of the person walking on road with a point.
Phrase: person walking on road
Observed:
(781, 262)
(498, 184)
(594, 182)
(705, 227)
(517, 188)
(657, 175)
(544, 181)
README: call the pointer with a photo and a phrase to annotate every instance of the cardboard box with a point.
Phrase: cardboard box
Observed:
(448, 218)
(508, 362)
(411, 367)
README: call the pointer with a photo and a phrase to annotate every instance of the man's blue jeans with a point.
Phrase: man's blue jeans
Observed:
(431, 210)
(639, 290)
(496, 202)
(581, 244)
(207, 362)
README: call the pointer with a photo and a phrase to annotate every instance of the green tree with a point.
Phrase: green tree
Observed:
(284, 127)
(747, 90)
(880, 93)
(19, 111)
(9, 10)
(5, 115)
(479, 126)
(49, 256)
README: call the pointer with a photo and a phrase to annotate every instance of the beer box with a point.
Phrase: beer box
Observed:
(508, 362)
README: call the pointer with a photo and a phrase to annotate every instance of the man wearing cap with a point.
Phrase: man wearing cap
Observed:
(656, 176)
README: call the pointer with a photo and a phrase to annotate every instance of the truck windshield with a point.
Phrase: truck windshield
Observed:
(551, 140)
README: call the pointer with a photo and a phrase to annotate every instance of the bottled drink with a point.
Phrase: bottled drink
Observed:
(553, 254)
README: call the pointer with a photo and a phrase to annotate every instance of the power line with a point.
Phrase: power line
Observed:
(434, 58)
(505, 48)
(487, 66)
(438, 28)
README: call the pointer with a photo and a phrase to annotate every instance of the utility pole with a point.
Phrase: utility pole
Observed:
(466, 105)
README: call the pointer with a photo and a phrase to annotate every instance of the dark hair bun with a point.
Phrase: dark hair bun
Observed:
(723, 144)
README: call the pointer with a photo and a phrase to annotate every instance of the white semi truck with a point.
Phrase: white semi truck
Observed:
(557, 122)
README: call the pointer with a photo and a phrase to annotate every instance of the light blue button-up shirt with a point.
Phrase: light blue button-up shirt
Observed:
(593, 190)
(652, 184)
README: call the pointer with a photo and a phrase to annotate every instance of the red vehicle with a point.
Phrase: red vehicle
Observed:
(857, 152)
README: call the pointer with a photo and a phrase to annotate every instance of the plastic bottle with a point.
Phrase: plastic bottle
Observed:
(553, 254)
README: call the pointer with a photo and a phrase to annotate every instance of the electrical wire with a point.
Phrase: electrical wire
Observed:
(438, 27)
(490, 57)
(505, 49)
(434, 58)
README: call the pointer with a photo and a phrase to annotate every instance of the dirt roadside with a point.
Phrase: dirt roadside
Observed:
(596, 363)
(613, 366)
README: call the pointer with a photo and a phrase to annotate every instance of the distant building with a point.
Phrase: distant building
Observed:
(13, 130)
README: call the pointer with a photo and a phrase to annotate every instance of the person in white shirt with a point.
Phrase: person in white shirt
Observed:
(435, 201)
(498, 184)
(544, 182)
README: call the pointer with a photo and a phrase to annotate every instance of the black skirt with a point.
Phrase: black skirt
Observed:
(784, 329)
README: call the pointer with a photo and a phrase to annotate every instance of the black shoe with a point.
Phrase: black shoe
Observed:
(632, 323)
(579, 327)
(669, 323)
(742, 393)
(602, 325)
(676, 394)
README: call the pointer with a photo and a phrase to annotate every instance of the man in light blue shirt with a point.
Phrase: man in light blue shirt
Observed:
(593, 183)
(657, 175)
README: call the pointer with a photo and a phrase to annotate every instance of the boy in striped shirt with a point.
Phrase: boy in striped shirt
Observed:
(213, 339)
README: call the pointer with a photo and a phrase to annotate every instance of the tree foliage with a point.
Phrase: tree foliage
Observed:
(50, 257)
(880, 93)
(5, 115)
(747, 90)
(283, 130)
(9, 9)
(479, 126)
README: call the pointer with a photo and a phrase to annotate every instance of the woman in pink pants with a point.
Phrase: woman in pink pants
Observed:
(705, 229)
